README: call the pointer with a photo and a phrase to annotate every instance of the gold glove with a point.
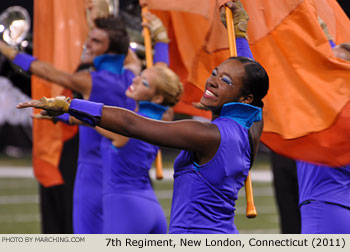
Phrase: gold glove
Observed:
(157, 29)
(240, 18)
(52, 106)
(55, 106)
(325, 28)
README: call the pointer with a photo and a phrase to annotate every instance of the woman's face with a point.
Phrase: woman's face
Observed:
(224, 85)
(143, 87)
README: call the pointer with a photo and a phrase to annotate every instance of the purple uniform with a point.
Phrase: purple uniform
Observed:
(204, 195)
(108, 86)
(129, 203)
(324, 198)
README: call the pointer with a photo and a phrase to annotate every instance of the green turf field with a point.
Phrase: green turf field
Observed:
(19, 201)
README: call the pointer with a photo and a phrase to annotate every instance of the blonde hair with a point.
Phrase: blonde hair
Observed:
(102, 8)
(168, 85)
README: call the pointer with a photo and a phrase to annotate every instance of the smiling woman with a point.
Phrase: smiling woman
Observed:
(216, 156)
(249, 86)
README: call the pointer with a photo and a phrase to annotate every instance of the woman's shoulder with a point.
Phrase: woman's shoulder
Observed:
(233, 135)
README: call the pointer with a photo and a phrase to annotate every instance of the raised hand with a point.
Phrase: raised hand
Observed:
(157, 29)
(53, 106)
(240, 17)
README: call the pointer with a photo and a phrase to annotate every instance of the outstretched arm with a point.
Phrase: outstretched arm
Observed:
(200, 137)
(186, 134)
(80, 82)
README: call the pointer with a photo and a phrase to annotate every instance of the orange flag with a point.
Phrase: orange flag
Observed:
(198, 43)
(59, 32)
(306, 108)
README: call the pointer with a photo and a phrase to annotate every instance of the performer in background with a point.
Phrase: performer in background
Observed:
(115, 96)
(107, 44)
(129, 203)
(56, 202)
(324, 192)
(288, 179)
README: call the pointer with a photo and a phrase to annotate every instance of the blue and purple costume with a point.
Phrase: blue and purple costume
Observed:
(129, 203)
(204, 195)
(109, 84)
(324, 198)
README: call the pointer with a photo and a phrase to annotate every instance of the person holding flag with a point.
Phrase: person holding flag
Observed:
(215, 157)
(130, 205)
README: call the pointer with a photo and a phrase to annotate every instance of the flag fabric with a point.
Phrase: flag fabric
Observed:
(59, 32)
(307, 105)
(307, 108)
(198, 43)
(309, 86)
(335, 18)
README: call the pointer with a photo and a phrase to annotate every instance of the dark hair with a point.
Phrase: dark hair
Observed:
(255, 81)
(115, 28)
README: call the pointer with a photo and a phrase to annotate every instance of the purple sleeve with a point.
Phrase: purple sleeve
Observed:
(62, 118)
(161, 53)
(332, 43)
(243, 48)
(86, 111)
(23, 60)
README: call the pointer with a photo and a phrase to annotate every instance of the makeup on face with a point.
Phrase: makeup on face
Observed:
(224, 85)
(141, 88)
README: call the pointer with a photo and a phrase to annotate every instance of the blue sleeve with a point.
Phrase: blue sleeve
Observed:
(23, 60)
(332, 43)
(161, 53)
(243, 48)
(86, 111)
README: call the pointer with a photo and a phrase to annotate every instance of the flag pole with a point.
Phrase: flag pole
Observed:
(230, 32)
(149, 63)
(250, 209)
